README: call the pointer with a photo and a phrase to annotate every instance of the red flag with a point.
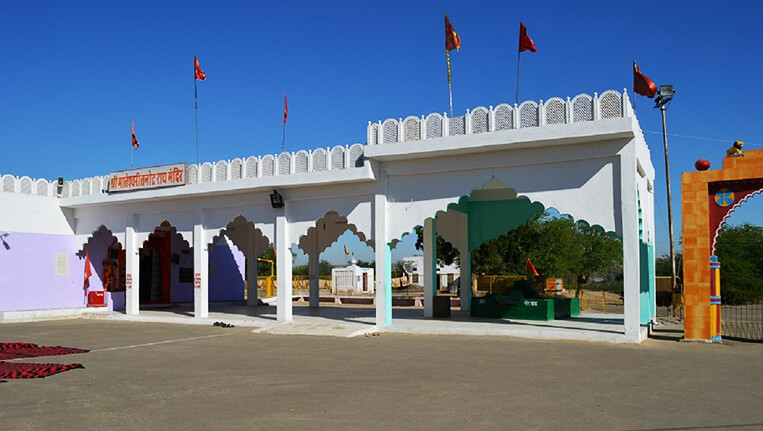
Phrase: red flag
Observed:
(135, 143)
(641, 84)
(452, 39)
(525, 43)
(88, 273)
(531, 268)
(285, 109)
(346, 252)
(200, 75)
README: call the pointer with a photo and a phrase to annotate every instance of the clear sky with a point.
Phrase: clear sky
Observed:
(76, 74)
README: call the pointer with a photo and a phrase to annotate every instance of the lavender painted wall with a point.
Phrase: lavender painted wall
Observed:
(226, 272)
(28, 279)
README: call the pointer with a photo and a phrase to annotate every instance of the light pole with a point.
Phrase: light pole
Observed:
(666, 95)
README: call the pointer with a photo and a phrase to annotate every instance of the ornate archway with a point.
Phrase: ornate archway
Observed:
(708, 198)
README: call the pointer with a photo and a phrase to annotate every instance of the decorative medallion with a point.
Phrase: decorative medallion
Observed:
(724, 197)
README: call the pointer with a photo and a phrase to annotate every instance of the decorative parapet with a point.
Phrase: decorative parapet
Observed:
(285, 163)
(583, 107)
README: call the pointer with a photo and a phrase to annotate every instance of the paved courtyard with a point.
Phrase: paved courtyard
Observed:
(193, 377)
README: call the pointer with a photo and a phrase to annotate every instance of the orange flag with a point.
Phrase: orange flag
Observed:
(452, 39)
(135, 143)
(200, 75)
(641, 84)
(531, 268)
(88, 272)
(525, 43)
(285, 109)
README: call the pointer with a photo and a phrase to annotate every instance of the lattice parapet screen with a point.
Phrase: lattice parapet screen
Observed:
(504, 117)
(457, 126)
(221, 171)
(268, 166)
(206, 172)
(611, 104)
(284, 164)
(26, 186)
(582, 108)
(337, 157)
(479, 120)
(193, 174)
(301, 162)
(356, 155)
(434, 126)
(235, 169)
(42, 188)
(320, 162)
(528, 114)
(251, 167)
(412, 129)
(555, 111)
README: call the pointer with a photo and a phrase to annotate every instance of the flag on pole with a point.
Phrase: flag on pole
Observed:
(135, 143)
(88, 272)
(525, 43)
(200, 75)
(641, 84)
(531, 268)
(285, 109)
(452, 39)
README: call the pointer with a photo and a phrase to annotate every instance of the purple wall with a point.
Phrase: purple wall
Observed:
(28, 279)
(226, 272)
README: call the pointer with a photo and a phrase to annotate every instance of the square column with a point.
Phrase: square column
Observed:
(430, 266)
(283, 265)
(132, 272)
(201, 273)
(465, 261)
(631, 252)
(313, 275)
(383, 269)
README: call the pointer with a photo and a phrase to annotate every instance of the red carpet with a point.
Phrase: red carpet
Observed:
(13, 370)
(31, 350)
(33, 371)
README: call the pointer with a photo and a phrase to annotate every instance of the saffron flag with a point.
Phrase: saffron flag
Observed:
(135, 143)
(285, 109)
(200, 75)
(452, 39)
(641, 84)
(525, 43)
(88, 272)
(531, 268)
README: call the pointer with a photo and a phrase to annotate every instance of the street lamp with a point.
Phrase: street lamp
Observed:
(665, 95)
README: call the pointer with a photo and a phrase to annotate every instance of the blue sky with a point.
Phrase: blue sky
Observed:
(76, 74)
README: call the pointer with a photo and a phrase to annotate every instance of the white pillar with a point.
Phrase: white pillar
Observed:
(430, 266)
(132, 272)
(251, 273)
(465, 265)
(383, 256)
(313, 265)
(283, 261)
(629, 220)
(200, 273)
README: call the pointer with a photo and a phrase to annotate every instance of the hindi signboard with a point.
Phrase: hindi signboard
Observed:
(148, 178)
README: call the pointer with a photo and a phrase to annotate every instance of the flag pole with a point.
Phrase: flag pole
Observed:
(131, 151)
(450, 86)
(196, 112)
(519, 58)
(283, 139)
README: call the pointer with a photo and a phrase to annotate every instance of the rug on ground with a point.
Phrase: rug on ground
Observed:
(13, 370)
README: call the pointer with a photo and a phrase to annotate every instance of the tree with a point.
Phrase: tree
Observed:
(446, 253)
(740, 252)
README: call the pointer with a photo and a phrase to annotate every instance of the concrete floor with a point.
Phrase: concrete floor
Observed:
(158, 376)
(348, 321)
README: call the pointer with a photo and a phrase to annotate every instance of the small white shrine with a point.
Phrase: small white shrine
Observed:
(352, 279)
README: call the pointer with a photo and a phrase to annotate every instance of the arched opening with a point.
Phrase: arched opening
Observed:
(107, 262)
(166, 267)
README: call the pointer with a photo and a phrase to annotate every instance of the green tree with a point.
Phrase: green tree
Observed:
(740, 252)
(446, 253)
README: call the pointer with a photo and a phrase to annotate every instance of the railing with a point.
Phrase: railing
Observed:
(583, 107)
(285, 163)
